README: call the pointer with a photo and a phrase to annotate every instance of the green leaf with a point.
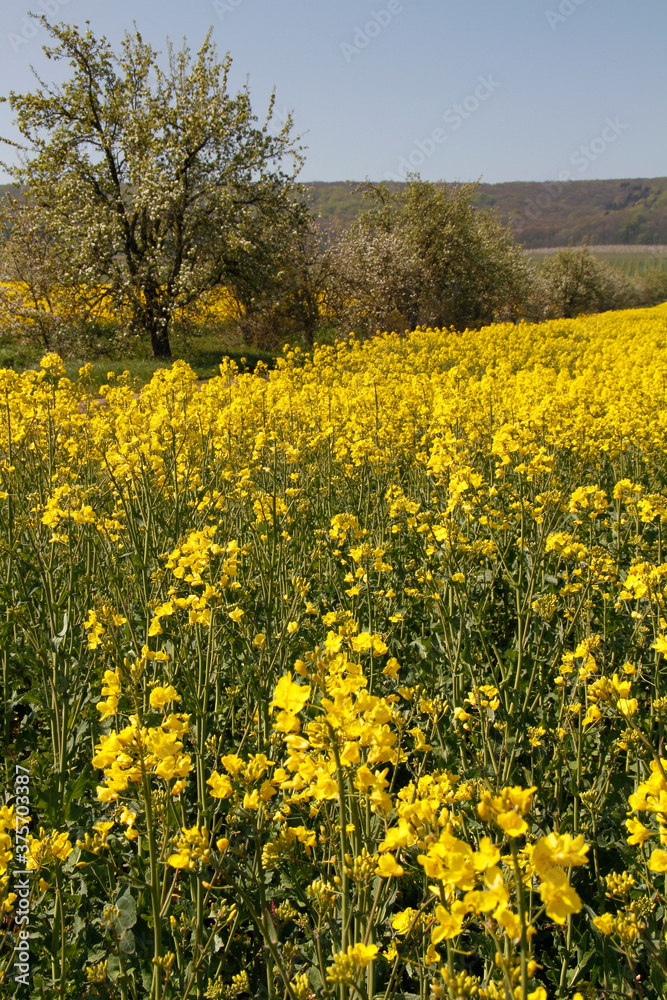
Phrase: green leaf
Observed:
(127, 943)
(113, 968)
(61, 635)
(127, 910)
(315, 978)
(96, 956)
(147, 979)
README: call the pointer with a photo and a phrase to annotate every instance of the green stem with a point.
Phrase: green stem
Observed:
(521, 901)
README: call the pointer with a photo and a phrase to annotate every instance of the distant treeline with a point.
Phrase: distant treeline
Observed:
(551, 214)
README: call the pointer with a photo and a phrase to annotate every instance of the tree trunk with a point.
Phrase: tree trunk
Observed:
(156, 322)
(309, 322)
(160, 341)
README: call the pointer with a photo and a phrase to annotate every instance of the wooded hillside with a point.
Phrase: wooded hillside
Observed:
(546, 214)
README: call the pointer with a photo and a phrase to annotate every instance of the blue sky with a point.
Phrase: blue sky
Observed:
(500, 90)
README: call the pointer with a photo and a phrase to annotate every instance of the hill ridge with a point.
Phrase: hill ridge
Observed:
(623, 212)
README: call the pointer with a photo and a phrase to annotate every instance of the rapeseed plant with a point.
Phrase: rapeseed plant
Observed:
(345, 679)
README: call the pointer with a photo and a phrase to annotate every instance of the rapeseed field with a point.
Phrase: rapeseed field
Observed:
(343, 680)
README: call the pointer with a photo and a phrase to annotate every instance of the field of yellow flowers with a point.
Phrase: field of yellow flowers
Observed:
(343, 680)
(24, 307)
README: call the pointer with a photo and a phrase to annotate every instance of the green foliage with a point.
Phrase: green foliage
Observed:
(576, 281)
(422, 255)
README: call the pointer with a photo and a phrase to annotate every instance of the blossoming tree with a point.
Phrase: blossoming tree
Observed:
(154, 183)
